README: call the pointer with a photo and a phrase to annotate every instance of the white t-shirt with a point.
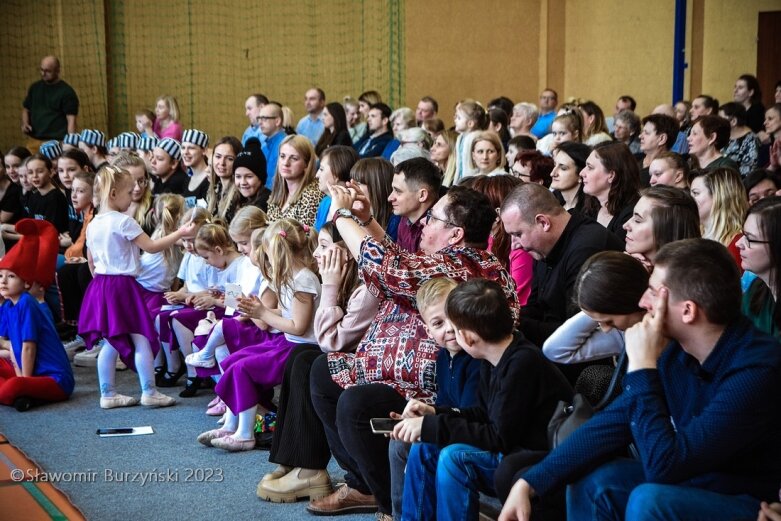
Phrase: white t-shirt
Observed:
(198, 275)
(229, 275)
(304, 282)
(110, 238)
(155, 275)
(249, 277)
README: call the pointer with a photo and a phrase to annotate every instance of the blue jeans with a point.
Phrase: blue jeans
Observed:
(617, 490)
(398, 451)
(458, 471)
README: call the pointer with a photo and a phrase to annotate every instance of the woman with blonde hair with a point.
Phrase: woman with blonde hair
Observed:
(295, 194)
(443, 154)
(141, 197)
(167, 118)
(595, 129)
(487, 154)
(722, 204)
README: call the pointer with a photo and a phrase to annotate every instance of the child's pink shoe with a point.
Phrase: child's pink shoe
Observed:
(217, 410)
(215, 401)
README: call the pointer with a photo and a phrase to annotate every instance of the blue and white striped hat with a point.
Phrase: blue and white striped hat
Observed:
(71, 139)
(94, 138)
(111, 143)
(127, 140)
(147, 143)
(51, 149)
(196, 137)
(171, 147)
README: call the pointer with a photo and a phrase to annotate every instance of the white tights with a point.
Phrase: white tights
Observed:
(143, 359)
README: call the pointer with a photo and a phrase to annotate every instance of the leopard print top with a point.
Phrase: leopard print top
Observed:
(304, 210)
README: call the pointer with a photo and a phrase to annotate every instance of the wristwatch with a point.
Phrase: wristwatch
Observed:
(344, 212)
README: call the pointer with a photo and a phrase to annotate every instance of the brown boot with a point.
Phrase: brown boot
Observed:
(293, 486)
(344, 500)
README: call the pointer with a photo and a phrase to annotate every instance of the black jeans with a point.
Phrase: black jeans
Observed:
(345, 414)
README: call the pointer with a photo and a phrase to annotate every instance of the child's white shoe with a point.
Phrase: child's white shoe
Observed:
(200, 359)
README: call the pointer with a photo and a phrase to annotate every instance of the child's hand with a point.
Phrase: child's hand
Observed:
(75, 260)
(332, 266)
(173, 297)
(408, 430)
(204, 302)
(251, 306)
(188, 230)
(414, 409)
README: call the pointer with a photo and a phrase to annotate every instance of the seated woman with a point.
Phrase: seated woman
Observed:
(345, 312)
(663, 214)
(708, 136)
(443, 154)
(532, 167)
(612, 176)
(721, 200)
(569, 159)
(595, 129)
(487, 154)
(373, 177)
(743, 146)
(760, 252)
(336, 131)
(760, 184)
(670, 169)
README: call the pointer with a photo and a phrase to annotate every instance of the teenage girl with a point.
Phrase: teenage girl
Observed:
(10, 198)
(113, 306)
(470, 118)
(70, 163)
(46, 201)
(142, 190)
(250, 374)
(194, 143)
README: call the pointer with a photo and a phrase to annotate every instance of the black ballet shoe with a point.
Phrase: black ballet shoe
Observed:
(191, 387)
(169, 379)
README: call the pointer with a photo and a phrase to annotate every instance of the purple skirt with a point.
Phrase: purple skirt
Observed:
(237, 334)
(188, 317)
(115, 307)
(251, 373)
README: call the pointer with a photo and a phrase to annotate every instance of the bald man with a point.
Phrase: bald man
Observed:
(51, 106)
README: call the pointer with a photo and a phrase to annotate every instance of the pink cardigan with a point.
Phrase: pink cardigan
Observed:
(174, 130)
(341, 330)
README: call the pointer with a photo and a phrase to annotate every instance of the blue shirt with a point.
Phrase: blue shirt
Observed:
(712, 426)
(312, 129)
(252, 131)
(542, 126)
(270, 148)
(681, 145)
(26, 321)
(458, 378)
(322, 212)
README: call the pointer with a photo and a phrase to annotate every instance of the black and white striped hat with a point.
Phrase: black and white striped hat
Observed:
(171, 147)
(94, 138)
(51, 150)
(71, 139)
(196, 137)
(111, 143)
(147, 143)
(127, 140)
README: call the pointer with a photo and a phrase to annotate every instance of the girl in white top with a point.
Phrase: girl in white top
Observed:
(250, 374)
(470, 118)
(113, 306)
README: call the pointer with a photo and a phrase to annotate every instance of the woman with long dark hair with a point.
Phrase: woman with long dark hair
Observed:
(336, 130)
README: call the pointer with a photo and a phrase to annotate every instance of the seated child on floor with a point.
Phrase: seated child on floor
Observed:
(33, 363)
(456, 451)
(458, 374)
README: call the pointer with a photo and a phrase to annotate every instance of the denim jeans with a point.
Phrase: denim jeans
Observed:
(398, 451)
(617, 491)
(459, 472)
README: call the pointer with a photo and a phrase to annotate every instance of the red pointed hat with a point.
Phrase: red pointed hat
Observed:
(34, 257)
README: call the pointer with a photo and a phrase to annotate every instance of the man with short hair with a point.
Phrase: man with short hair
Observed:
(700, 404)
(50, 107)
(378, 133)
(427, 109)
(311, 126)
(624, 102)
(414, 190)
(560, 243)
(548, 101)
(658, 135)
(252, 109)
(270, 123)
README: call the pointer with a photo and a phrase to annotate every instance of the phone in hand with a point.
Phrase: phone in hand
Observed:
(383, 425)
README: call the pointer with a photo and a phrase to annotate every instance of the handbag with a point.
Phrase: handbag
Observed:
(567, 417)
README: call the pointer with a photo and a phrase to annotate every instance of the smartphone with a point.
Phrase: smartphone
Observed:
(123, 430)
(383, 425)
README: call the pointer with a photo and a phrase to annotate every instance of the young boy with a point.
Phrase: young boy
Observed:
(518, 392)
(458, 375)
(33, 363)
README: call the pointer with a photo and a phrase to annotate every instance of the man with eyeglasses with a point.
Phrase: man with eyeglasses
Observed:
(51, 106)
(548, 101)
(270, 123)
(414, 190)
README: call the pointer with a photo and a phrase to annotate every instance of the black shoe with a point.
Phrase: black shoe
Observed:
(192, 387)
(169, 379)
(23, 403)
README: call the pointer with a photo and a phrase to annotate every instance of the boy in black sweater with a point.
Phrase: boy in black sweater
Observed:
(518, 392)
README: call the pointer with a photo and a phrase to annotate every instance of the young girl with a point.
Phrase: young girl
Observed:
(113, 240)
(13, 160)
(194, 143)
(250, 374)
(145, 122)
(166, 123)
(10, 198)
(669, 169)
(93, 143)
(72, 162)
(167, 169)
(470, 118)
(46, 201)
(141, 198)
(144, 148)
(345, 312)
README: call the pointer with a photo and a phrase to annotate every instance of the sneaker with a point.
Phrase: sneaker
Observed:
(292, 487)
(118, 400)
(344, 500)
(218, 409)
(205, 438)
(73, 347)
(88, 358)
(231, 444)
(200, 359)
(157, 399)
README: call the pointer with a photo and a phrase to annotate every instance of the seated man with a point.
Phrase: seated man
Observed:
(415, 189)
(378, 134)
(700, 403)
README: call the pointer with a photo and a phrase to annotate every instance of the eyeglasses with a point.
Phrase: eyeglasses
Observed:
(749, 241)
(430, 215)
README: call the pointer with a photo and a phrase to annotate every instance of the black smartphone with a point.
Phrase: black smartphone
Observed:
(123, 430)
(383, 425)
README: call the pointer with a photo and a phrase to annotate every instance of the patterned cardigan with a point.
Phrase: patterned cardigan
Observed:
(396, 349)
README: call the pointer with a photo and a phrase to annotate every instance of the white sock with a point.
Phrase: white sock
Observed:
(107, 370)
(216, 339)
(231, 421)
(144, 364)
(185, 338)
(221, 354)
(246, 429)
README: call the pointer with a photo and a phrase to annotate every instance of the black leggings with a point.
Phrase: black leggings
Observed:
(73, 280)
(345, 414)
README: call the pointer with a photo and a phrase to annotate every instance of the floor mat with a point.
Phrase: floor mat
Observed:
(26, 491)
